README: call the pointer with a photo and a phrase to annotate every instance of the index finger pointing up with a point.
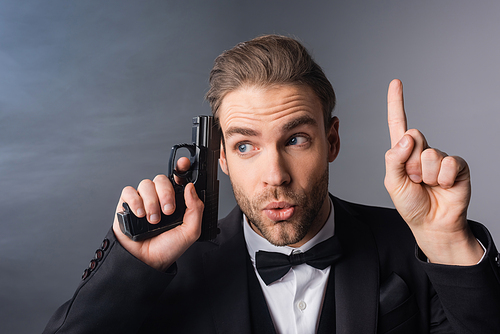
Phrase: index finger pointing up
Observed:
(396, 117)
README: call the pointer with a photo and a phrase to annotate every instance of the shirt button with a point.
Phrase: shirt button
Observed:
(302, 305)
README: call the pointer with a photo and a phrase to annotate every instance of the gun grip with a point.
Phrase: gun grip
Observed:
(139, 229)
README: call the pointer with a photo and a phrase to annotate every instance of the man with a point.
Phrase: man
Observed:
(274, 104)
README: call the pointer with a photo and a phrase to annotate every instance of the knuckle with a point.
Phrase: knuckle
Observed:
(167, 195)
(431, 154)
(145, 182)
(128, 190)
(450, 163)
(418, 137)
(160, 178)
(390, 156)
(134, 202)
(198, 205)
(130, 196)
(414, 133)
(151, 203)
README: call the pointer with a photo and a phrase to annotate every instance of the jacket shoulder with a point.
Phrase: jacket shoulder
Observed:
(380, 220)
(393, 239)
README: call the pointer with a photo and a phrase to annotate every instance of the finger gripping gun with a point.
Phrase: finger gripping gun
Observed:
(204, 157)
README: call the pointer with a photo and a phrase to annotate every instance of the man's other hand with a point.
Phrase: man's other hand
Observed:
(430, 190)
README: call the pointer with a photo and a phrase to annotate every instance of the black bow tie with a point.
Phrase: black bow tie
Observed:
(272, 266)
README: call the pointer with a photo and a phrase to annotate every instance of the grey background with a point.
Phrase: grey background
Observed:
(94, 93)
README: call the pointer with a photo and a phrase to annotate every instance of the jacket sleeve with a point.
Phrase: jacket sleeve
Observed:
(116, 294)
(470, 295)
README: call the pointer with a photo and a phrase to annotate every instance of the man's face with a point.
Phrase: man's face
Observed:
(276, 155)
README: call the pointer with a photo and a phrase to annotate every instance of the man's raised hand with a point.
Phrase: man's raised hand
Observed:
(430, 190)
(150, 198)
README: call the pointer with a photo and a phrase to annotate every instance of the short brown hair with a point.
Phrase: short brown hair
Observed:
(265, 61)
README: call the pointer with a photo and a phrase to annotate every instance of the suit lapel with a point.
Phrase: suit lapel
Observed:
(355, 278)
(356, 275)
(327, 317)
(226, 272)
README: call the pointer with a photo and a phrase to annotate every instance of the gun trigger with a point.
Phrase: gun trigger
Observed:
(182, 175)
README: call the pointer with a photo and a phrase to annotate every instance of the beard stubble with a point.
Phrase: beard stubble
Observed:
(291, 231)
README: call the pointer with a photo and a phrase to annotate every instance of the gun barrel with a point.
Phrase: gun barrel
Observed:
(206, 136)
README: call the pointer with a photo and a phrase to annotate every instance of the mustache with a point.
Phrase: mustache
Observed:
(278, 194)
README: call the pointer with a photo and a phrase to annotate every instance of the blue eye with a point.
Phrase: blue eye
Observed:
(298, 140)
(244, 148)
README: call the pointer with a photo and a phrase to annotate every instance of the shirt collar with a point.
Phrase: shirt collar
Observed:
(256, 243)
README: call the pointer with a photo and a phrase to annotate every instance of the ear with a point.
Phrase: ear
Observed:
(222, 159)
(333, 139)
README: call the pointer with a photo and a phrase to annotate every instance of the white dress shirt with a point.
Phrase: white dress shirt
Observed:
(294, 301)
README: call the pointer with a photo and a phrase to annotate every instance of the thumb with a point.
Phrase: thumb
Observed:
(395, 160)
(194, 211)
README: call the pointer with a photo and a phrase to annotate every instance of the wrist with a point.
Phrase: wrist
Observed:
(460, 248)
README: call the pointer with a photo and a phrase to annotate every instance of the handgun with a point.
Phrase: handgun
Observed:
(204, 157)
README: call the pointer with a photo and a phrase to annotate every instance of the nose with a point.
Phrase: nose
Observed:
(275, 170)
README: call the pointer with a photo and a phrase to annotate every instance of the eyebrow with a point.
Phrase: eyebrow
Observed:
(242, 131)
(302, 120)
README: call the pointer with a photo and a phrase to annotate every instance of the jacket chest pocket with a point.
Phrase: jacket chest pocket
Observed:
(398, 310)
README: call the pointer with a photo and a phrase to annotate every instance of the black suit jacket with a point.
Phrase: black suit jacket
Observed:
(378, 286)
